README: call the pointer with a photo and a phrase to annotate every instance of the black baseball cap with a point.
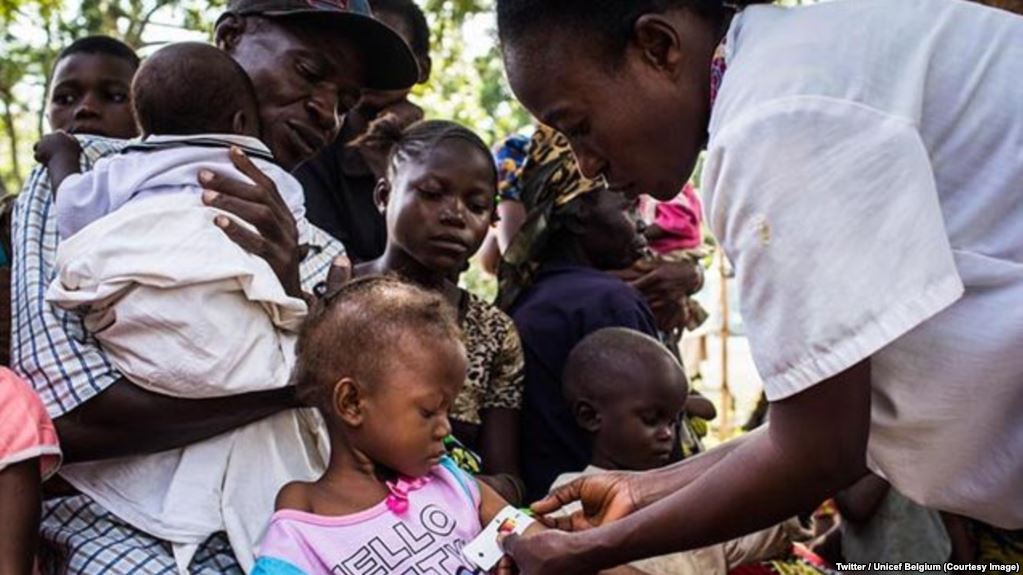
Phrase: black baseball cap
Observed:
(390, 64)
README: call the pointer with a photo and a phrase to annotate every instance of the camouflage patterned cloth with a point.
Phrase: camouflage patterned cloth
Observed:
(997, 546)
(547, 182)
(466, 459)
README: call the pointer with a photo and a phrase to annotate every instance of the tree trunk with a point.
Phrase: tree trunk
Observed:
(46, 63)
(12, 135)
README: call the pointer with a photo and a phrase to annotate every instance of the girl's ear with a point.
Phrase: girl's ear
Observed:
(382, 194)
(587, 416)
(347, 401)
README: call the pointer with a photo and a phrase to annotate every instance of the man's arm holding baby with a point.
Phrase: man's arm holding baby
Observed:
(127, 420)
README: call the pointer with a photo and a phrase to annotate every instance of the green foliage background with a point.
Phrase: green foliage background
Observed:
(467, 84)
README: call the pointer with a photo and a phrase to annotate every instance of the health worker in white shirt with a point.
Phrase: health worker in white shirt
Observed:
(864, 173)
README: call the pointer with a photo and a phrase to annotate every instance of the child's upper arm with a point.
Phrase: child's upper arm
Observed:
(490, 502)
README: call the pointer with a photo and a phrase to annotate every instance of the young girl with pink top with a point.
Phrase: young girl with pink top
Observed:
(29, 454)
(383, 362)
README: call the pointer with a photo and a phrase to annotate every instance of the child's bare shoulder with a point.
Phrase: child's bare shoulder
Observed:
(295, 496)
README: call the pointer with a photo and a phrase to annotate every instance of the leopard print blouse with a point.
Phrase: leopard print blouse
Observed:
(496, 362)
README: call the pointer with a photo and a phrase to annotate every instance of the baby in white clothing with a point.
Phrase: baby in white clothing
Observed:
(136, 223)
(178, 307)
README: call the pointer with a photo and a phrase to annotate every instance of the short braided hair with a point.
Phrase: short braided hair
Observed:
(403, 144)
(359, 330)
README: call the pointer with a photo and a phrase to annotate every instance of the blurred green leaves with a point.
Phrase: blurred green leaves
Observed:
(467, 85)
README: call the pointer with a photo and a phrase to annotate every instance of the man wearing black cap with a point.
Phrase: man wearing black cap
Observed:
(309, 60)
(339, 181)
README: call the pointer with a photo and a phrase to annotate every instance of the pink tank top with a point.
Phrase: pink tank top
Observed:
(420, 528)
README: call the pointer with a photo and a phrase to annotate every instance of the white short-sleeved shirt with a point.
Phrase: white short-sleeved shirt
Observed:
(865, 176)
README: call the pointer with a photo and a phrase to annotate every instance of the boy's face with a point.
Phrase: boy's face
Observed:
(91, 94)
(638, 429)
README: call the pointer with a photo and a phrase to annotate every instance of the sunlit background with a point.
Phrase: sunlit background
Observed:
(467, 85)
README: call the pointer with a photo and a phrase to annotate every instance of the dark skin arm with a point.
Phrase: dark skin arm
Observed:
(499, 448)
(771, 476)
(490, 254)
(964, 548)
(859, 502)
(511, 215)
(20, 503)
(664, 284)
(61, 153)
(127, 420)
(699, 406)
(499, 441)
(492, 502)
(663, 280)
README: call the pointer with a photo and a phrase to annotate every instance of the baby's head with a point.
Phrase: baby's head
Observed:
(628, 393)
(191, 88)
(383, 361)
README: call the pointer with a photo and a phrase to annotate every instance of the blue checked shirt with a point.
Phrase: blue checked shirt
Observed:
(50, 347)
